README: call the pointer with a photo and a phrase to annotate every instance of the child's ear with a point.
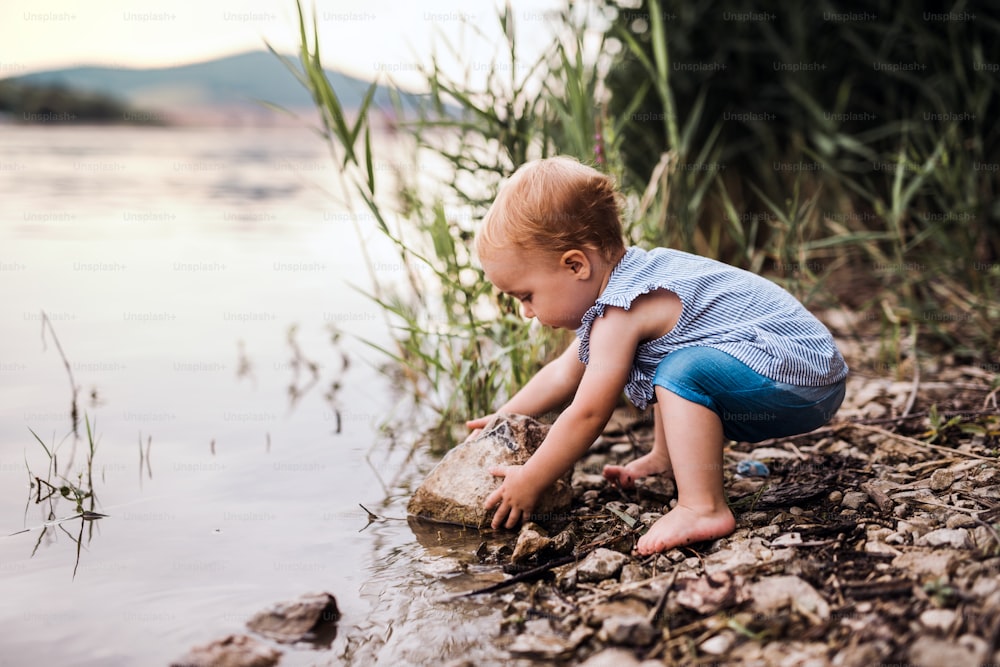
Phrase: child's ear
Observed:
(577, 262)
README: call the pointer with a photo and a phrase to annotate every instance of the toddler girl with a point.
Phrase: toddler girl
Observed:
(723, 353)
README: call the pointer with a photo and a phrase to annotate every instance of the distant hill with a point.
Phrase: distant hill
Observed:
(226, 86)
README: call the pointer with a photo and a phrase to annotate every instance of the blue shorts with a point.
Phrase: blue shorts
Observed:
(752, 407)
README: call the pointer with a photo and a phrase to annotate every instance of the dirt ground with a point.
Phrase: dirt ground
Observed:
(873, 540)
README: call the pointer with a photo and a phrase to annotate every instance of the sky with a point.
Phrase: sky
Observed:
(359, 37)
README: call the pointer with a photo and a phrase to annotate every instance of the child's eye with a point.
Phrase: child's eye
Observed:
(526, 298)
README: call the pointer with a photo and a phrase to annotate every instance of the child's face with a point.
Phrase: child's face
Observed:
(556, 291)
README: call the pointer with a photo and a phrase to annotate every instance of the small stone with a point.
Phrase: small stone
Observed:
(605, 610)
(530, 541)
(787, 540)
(876, 547)
(932, 652)
(986, 476)
(957, 538)
(717, 645)
(728, 560)
(835, 497)
(942, 479)
(545, 646)
(983, 536)
(938, 619)
(601, 564)
(902, 510)
(656, 489)
(929, 562)
(649, 518)
(563, 543)
(960, 521)
(622, 448)
(706, 595)
(587, 481)
(771, 594)
(231, 651)
(769, 530)
(580, 634)
(612, 657)
(632, 510)
(632, 630)
(854, 499)
(633, 572)
(861, 654)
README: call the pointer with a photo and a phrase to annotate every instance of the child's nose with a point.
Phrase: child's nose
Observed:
(527, 311)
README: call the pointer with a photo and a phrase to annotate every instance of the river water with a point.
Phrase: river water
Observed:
(193, 279)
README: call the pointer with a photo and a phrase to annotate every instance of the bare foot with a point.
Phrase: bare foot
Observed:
(650, 464)
(683, 525)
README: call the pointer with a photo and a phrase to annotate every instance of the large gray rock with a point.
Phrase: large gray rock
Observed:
(457, 488)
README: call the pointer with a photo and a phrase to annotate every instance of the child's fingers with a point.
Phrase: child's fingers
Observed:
(498, 517)
(492, 500)
(478, 423)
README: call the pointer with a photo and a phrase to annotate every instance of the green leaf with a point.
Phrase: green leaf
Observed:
(629, 521)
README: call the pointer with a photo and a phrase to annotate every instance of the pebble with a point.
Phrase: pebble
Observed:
(957, 538)
(854, 499)
(938, 619)
(601, 564)
(530, 541)
(934, 652)
(546, 646)
(769, 530)
(588, 481)
(622, 448)
(632, 629)
(717, 645)
(959, 520)
(612, 657)
(649, 518)
(633, 572)
(942, 479)
(771, 594)
(835, 497)
(936, 562)
(656, 488)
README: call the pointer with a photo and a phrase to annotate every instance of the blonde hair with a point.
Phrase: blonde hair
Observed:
(554, 205)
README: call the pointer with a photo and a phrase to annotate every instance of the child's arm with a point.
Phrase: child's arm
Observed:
(550, 388)
(613, 341)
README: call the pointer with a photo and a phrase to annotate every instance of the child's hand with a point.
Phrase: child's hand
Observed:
(477, 425)
(516, 497)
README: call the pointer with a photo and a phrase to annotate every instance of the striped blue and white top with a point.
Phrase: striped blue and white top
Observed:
(725, 308)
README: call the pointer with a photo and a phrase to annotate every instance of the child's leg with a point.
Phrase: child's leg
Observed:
(694, 439)
(655, 462)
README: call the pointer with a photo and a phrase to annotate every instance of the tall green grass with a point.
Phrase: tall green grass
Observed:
(760, 163)
(846, 149)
